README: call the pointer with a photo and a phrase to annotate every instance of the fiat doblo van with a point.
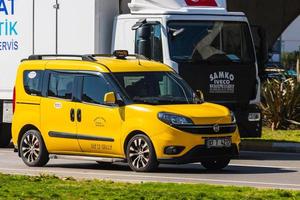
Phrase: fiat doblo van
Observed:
(116, 107)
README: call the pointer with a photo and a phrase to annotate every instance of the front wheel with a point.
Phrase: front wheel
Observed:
(216, 164)
(33, 150)
(140, 154)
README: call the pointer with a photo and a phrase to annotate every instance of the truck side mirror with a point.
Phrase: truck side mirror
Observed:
(143, 41)
(200, 95)
(261, 47)
(263, 55)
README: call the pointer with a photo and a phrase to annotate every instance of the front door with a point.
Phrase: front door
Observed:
(58, 114)
(98, 124)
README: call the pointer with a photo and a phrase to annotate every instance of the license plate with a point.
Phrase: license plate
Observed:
(218, 142)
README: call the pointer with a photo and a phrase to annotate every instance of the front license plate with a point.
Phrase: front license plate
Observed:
(218, 142)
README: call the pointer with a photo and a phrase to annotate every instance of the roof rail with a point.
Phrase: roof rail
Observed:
(111, 55)
(82, 57)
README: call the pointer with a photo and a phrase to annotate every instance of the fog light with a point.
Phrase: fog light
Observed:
(173, 150)
(254, 117)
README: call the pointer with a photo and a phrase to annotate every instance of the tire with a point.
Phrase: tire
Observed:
(140, 154)
(216, 164)
(33, 150)
(5, 135)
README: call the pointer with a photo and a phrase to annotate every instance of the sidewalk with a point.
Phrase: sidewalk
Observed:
(268, 146)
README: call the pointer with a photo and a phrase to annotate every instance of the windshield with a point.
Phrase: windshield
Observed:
(157, 88)
(211, 42)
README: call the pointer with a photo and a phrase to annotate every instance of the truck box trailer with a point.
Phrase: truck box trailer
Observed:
(211, 48)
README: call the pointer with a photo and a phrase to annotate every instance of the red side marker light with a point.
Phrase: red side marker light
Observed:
(211, 3)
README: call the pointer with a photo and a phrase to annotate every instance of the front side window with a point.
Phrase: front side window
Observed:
(156, 88)
(33, 80)
(210, 41)
(94, 89)
(61, 85)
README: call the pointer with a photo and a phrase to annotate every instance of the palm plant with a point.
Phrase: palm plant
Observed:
(281, 103)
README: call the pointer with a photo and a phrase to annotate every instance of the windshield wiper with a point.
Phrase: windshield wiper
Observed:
(175, 32)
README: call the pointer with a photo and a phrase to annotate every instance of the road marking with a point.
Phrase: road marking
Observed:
(6, 151)
(265, 152)
(265, 166)
(155, 178)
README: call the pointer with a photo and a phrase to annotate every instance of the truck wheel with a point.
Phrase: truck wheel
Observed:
(5, 135)
(217, 164)
(140, 154)
(4, 140)
(33, 150)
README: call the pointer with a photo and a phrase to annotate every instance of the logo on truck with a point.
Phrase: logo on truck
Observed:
(221, 82)
(8, 26)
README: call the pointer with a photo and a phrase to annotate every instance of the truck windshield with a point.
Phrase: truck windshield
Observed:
(210, 41)
(156, 88)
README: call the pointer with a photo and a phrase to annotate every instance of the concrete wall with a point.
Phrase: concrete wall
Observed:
(274, 15)
(124, 6)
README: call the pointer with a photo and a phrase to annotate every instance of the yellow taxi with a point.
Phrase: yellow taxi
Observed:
(116, 108)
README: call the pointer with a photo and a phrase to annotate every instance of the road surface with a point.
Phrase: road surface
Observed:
(257, 169)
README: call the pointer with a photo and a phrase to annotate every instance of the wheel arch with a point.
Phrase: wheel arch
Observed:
(23, 130)
(131, 135)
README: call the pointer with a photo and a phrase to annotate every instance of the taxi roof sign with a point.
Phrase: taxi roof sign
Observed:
(120, 54)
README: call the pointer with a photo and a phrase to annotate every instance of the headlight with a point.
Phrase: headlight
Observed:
(173, 119)
(233, 119)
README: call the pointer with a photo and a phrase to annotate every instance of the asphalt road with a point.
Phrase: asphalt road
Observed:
(257, 169)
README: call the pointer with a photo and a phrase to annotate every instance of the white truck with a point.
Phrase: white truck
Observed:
(211, 48)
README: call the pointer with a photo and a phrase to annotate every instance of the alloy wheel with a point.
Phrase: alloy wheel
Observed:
(139, 153)
(30, 148)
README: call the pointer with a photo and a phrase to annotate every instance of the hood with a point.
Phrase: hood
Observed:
(206, 113)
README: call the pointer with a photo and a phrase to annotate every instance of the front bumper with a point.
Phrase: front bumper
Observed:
(201, 153)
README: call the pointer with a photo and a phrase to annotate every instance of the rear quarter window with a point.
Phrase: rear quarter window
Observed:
(61, 85)
(33, 80)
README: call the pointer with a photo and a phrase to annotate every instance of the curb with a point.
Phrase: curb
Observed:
(267, 146)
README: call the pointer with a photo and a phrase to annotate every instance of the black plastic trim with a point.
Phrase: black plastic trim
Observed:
(28, 103)
(201, 153)
(207, 129)
(79, 137)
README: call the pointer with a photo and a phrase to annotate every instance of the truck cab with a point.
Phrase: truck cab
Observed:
(211, 48)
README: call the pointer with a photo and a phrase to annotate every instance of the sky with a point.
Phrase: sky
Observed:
(291, 37)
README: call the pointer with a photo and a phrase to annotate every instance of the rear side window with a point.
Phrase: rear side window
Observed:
(61, 85)
(94, 89)
(33, 82)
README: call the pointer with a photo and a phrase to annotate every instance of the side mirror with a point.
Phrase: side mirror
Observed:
(261, 47)
(200, 95)
(110, 98)
(143, 43)
(264, 51)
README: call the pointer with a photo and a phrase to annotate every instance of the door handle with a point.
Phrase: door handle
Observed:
(72, 115)
(79, 115)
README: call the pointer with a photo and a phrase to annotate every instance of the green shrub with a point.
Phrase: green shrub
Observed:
(281, 104)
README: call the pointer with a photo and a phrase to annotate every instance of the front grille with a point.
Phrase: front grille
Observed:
(208, 129)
